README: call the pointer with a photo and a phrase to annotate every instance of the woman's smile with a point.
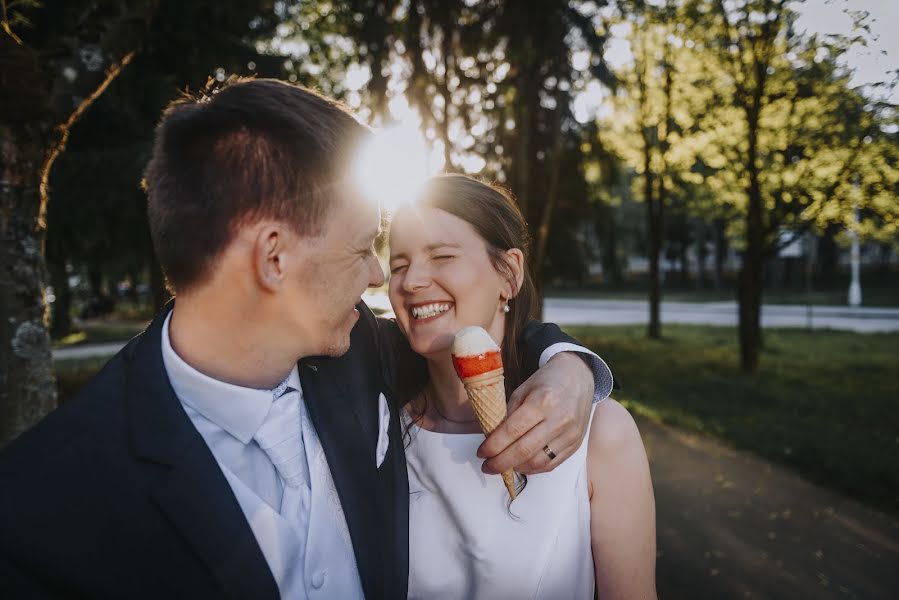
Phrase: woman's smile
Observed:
(427, 312)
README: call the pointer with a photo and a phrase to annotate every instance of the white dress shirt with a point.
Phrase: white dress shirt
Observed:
(603, 381)
(301, 531)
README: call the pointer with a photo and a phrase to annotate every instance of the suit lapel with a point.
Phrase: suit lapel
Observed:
(337, 411)
(198, 500)
(190, 489)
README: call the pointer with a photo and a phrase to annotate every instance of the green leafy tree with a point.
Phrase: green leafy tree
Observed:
(785, 137)
(649, 120)
(753, 127)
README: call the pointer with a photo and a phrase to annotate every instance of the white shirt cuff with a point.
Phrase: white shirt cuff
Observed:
(602, 375)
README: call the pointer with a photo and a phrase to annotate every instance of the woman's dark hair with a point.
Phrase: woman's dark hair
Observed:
(495, 216)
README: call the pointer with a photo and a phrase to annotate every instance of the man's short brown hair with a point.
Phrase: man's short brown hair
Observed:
(248, 150)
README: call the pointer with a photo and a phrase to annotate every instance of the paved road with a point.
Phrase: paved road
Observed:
(622, 312)
(732, 525)
(87, 351)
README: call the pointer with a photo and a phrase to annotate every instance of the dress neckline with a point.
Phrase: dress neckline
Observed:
(408, 418)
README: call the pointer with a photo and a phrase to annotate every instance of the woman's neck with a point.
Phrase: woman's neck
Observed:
(448, 407)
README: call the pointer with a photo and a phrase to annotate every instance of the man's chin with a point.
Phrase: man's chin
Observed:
(338, 343)
(336, 348)
(337, 352)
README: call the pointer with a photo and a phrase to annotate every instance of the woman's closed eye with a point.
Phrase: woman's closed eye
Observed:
(398, 269)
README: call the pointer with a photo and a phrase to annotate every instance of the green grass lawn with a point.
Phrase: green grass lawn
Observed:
(99, 331)
(823, 402)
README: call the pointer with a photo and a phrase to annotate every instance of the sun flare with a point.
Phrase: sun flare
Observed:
(394, 164)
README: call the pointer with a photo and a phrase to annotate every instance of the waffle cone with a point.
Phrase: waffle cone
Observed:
(487, 393)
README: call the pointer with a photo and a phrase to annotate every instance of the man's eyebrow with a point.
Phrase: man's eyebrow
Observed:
(429, 248)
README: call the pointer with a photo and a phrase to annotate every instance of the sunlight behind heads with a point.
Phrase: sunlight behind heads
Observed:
(393, 165)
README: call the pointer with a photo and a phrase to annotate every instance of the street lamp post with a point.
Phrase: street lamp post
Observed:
(811, 250)
(855, 287)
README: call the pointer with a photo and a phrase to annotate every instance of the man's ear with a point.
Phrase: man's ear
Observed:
(515, 259)
(269, 255)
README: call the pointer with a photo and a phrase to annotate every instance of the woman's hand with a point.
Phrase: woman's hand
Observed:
(549, 410)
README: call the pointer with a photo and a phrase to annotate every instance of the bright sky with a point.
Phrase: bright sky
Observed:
(875, 62)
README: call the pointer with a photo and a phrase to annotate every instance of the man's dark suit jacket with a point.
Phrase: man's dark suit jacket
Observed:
(116, 495)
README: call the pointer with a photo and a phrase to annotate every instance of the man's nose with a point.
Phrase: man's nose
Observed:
(376, 273)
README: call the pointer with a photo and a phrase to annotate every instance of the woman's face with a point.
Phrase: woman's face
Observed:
(441, 280)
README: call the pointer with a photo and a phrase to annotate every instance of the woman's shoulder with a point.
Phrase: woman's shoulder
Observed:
(612, 428)
(615, 449)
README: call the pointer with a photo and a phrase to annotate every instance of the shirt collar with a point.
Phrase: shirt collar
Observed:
(238, 410)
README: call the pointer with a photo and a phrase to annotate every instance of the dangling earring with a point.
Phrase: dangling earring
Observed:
(506, 307)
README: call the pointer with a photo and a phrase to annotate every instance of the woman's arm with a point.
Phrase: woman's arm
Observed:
(622, 507)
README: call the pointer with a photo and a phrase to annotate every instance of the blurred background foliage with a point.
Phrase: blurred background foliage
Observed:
(728, 154)
(495, 86)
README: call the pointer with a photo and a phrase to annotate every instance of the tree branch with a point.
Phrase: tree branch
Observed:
(4, 21)
(66, 128)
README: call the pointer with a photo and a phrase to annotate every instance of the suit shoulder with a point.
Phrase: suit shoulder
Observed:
(88, 419)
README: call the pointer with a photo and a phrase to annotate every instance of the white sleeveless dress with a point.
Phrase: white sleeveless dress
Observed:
(465, 541)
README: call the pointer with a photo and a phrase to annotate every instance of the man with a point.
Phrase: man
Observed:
(244, 445)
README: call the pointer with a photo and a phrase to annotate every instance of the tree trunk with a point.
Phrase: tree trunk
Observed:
(525, 103)
(702, 256)
(752, 271)
(720, 255)
(36, 118)
(27, 385)
(653, 229)
(683, 260)
(95, 278)
(749, 296)
(828, 254)
(884, 252)
(655, 206)
(61, 319)
(552, 197)
(654, 234)
(608, 231)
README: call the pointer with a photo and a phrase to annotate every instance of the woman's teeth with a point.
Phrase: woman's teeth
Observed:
(429, 310)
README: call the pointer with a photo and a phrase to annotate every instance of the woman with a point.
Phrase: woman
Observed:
(458, 258)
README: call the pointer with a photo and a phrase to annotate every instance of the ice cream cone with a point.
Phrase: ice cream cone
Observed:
(487, 393)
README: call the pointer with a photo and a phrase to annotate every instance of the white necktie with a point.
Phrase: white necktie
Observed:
(281, 437)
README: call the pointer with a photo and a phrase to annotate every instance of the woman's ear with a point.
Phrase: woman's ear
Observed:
(515, 259)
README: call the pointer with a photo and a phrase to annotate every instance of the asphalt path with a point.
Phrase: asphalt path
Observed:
(623, 312)
(733, 525)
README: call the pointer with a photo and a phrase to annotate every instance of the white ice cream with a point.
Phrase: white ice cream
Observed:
(472, 341)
